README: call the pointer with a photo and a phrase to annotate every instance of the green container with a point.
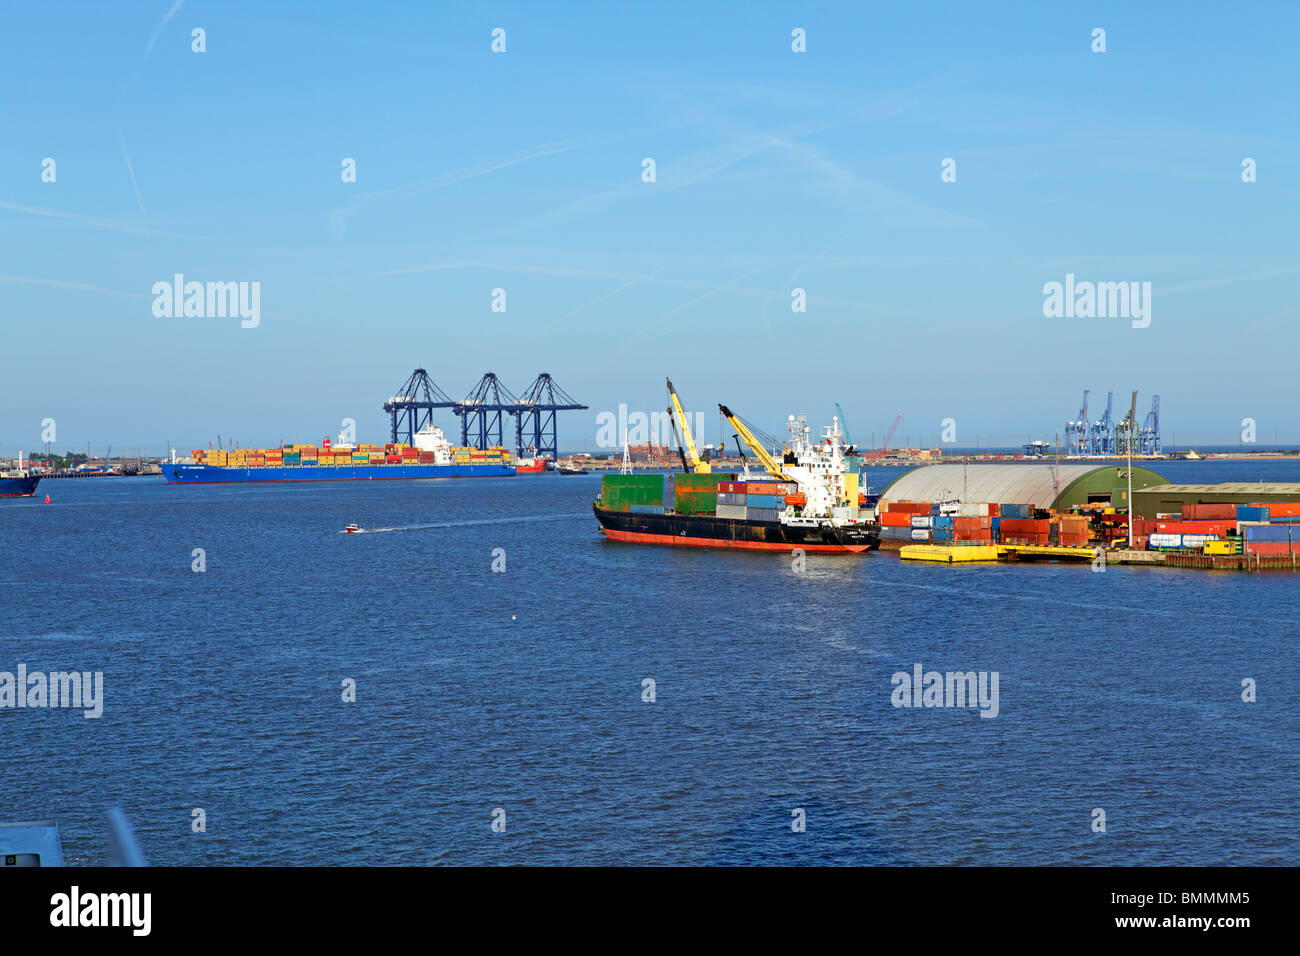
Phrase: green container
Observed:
(688, 501)
(709, 482)
(617, 492)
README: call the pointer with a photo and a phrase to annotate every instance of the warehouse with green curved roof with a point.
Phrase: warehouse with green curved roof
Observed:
(1060, 487)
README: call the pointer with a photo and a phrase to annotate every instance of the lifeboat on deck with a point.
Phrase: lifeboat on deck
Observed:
(796, 500)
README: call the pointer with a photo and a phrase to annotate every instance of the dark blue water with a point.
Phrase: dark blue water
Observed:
(522, 690)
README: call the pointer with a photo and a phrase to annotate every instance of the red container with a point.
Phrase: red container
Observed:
(896, 519)
(1070, 540)
(1024, 538)
(1210, 512)
(732, 487)
(426, 457)
(1030, 526)
(971, 523)
(393, 459)
(993, 509)
(1281, 509)
(1220, 528)
(1268, 548)
(910, 507)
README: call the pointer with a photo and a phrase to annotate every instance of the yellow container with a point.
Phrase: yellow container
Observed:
(1220, 547)
(851, 488)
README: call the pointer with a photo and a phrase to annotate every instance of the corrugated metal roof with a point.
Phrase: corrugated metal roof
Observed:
(1227, 488)
(1036, 485)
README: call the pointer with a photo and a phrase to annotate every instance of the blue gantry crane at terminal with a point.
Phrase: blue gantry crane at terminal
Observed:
(1103, 430)
(412, 407)
(1149, 436)
(1078, 439)
(483, 411)
(535, 416)
(1104, 436)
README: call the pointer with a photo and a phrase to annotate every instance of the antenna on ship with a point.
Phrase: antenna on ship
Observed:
(626, 468)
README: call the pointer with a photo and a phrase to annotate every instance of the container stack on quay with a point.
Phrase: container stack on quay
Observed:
(1216, 529)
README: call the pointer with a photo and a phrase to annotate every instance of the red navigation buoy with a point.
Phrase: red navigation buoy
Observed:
(47, 499)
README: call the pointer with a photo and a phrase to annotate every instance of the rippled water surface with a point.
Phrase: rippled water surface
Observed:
(522, 690)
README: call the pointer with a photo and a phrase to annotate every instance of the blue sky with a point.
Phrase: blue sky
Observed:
(522, 171)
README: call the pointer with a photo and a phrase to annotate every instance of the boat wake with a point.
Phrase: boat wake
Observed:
(466, 524)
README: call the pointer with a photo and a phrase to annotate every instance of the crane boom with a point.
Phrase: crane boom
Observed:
(770, 464)
(681, 451)
(848, 439)
(885, 446)
(697, 466)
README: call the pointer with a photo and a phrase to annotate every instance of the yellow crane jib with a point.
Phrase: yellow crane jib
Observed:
(697, 466)
(770, 464)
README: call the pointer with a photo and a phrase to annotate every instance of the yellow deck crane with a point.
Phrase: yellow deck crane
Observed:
(770, 464)
(690, 459)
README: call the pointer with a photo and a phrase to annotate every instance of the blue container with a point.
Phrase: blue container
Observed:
(765, 514)
(765, 501)
(1271, 532)
(1247, 513)
(934, 508)
(941, 522)
(1016, 511)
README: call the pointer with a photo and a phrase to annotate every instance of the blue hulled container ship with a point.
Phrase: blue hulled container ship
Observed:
(182, 474)
(429, 457)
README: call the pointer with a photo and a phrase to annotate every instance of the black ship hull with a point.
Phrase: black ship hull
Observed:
(710, 531)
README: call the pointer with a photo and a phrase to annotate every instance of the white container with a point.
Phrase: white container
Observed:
(920, 521)
(920, 534)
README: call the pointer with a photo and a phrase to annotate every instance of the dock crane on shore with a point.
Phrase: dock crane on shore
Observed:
(411, 407)
(1077, 438)
(848, 439)
(695, 466)
(770, 464)
(1103, 433)
(885, 447)
(1149, 436)
(535, 416)
(1126, 430)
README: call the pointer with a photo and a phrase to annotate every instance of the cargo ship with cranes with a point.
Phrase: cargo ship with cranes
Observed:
(807, 498)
